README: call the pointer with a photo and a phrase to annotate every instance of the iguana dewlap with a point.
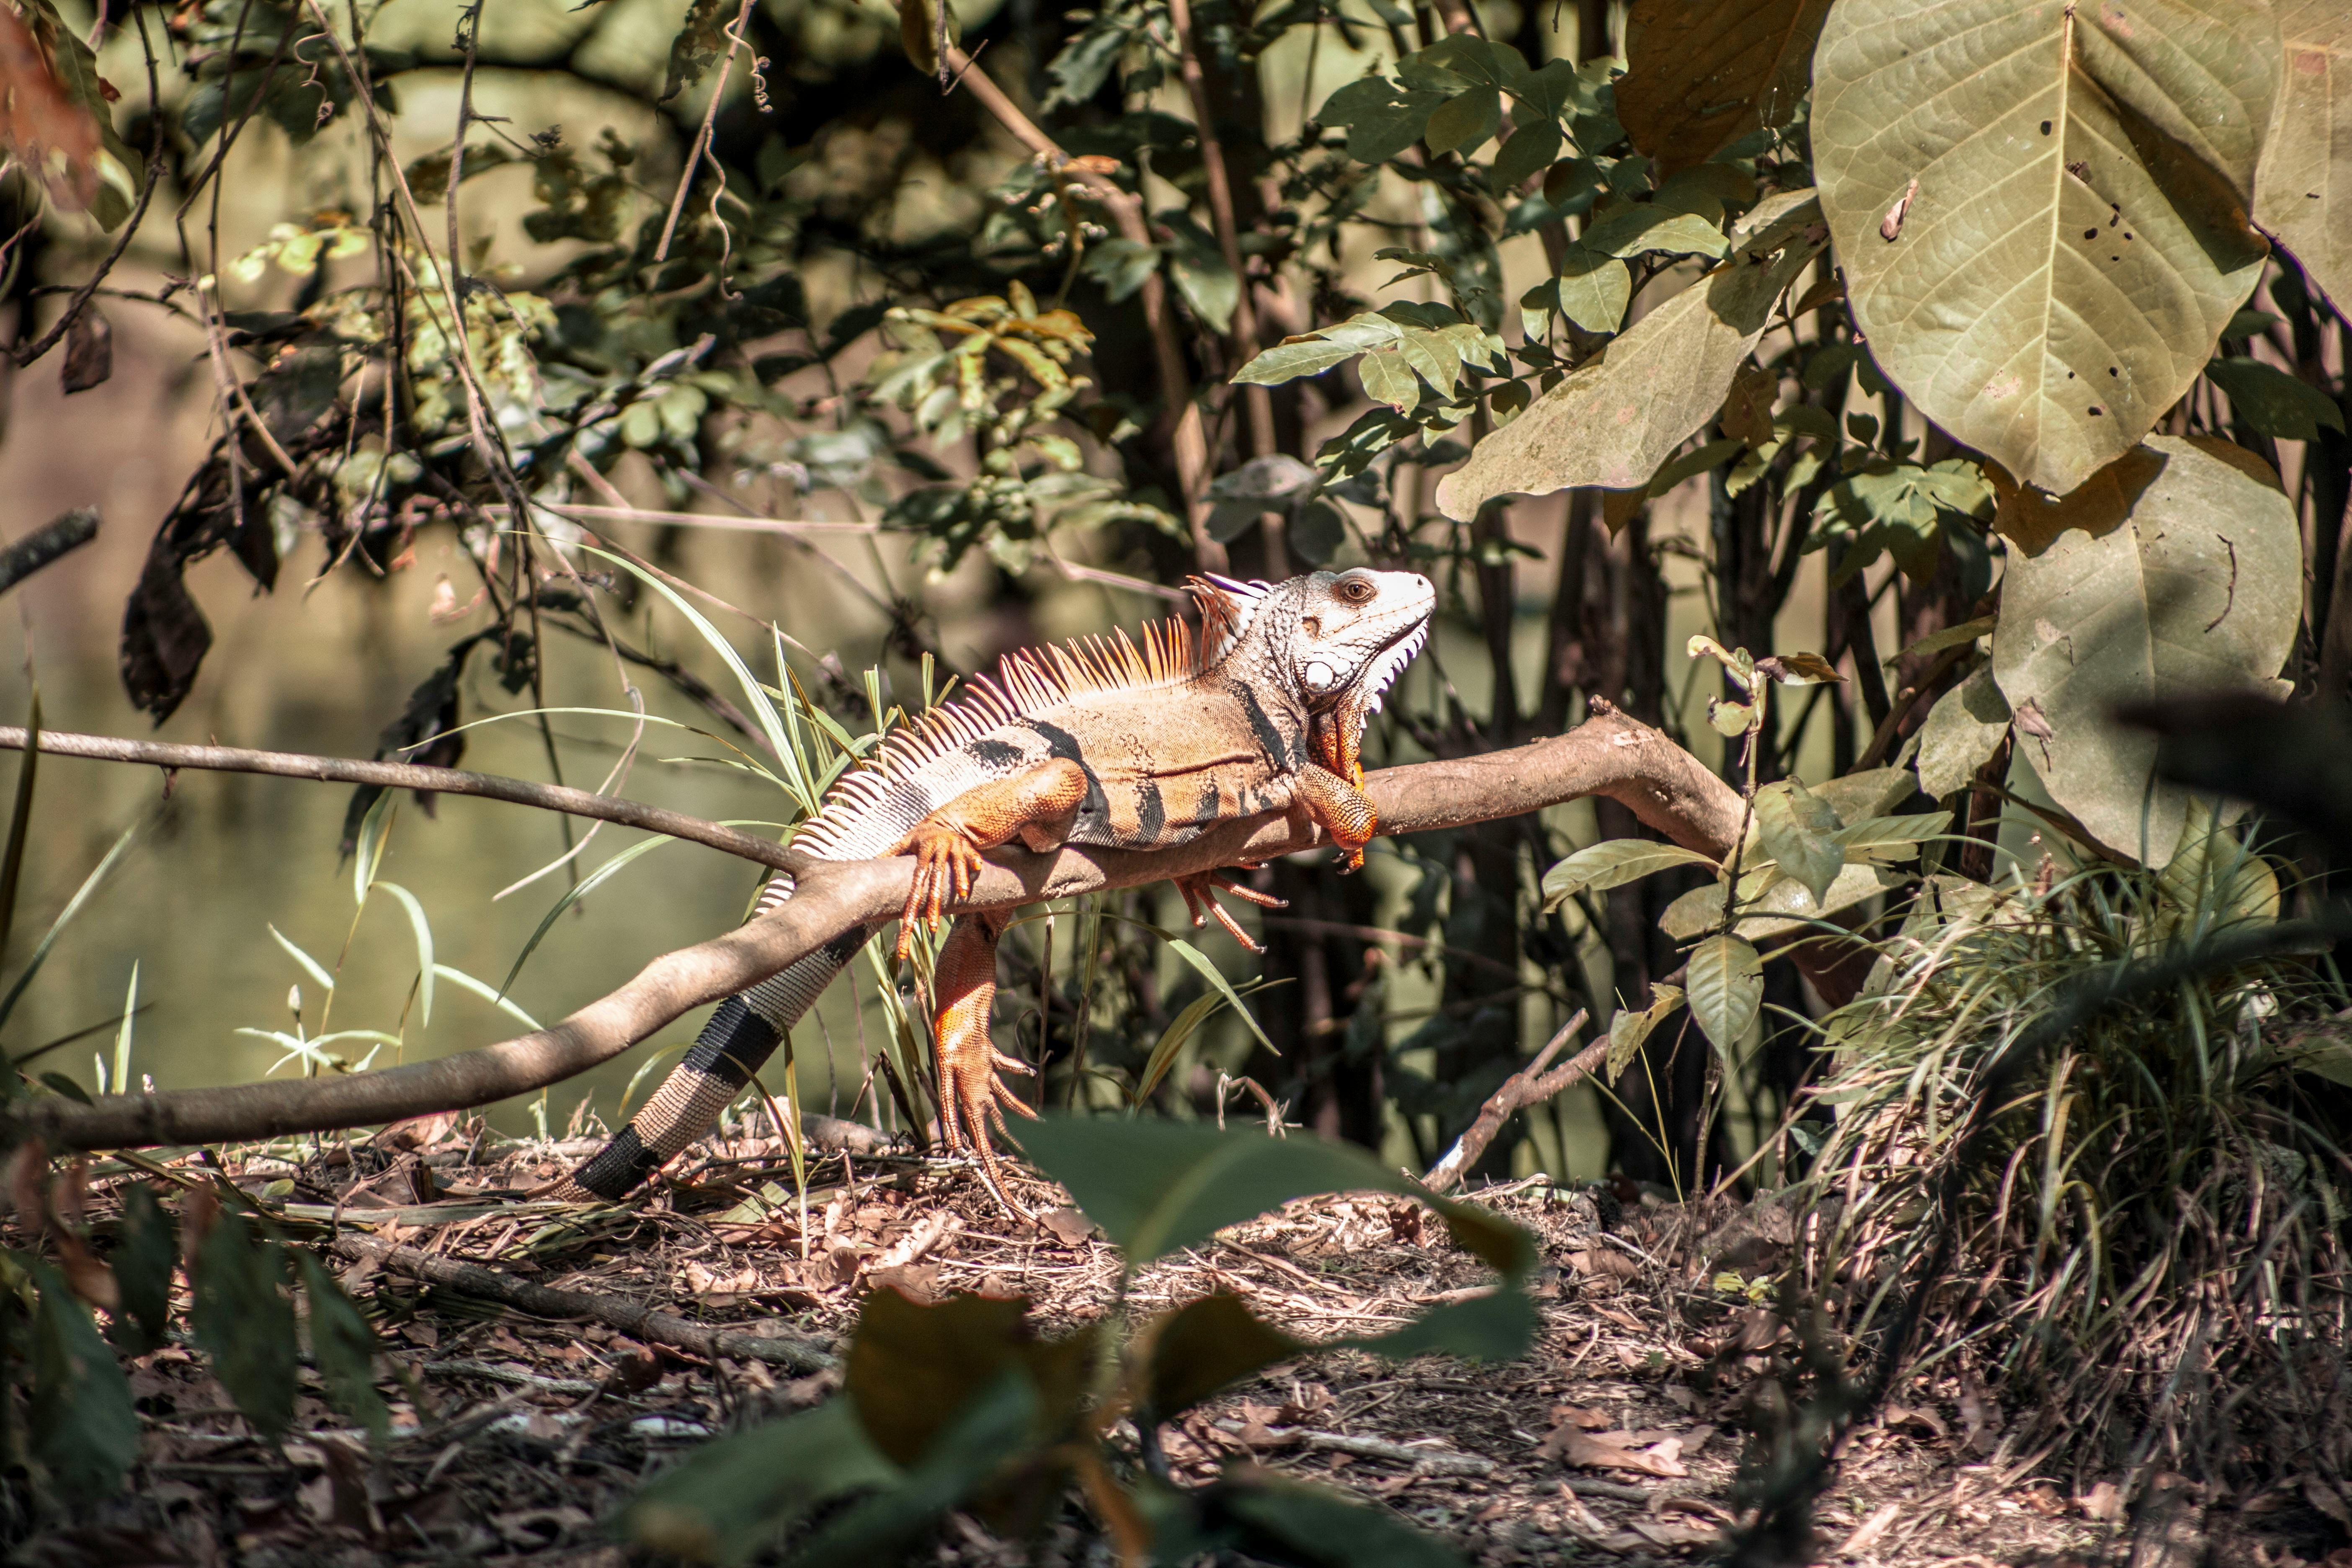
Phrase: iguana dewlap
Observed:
(1098, 744)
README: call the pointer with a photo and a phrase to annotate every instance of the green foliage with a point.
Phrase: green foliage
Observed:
(962, 1404)
(2129, 1177)
(84, 1431)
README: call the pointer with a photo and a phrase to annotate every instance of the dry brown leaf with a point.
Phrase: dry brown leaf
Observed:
(1070, 1228)
(1622, 1319)
(1582, 1416)
(39, 120)
(1867, 1534)
(1587, 1452)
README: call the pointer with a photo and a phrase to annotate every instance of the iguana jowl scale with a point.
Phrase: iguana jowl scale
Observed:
(1100, 743)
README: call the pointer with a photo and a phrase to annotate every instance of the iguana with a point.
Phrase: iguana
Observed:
(1102, 743)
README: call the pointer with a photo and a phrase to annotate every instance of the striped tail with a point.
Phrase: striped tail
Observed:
(740, 1036)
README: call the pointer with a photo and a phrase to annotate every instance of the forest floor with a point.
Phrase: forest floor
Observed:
(1614, 1441)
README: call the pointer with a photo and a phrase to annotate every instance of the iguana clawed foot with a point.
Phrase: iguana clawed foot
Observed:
(946, 866)
(1200, 890)
(1341, 810)
(971, 1096)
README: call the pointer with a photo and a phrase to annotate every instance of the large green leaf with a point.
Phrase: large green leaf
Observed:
(84, 1430)
(728, 1498)
(1727, 989)
(2074, 237)
(145, 1252)
(1612, 863)
(2191, 578)
(2303, 192)
(1314, 1525)
(1616, 420)
(343, 1348)
(1156, 1187)
(1794, 827)
(243, 1320)
(1962, 732)
(2278, 405)
(1700, 74)
(1778, 908)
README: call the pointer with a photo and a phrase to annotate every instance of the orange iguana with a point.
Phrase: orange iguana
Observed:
(1101, 744)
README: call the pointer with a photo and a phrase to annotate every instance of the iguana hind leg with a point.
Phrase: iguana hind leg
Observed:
(1200, 890)
(1340, 809)
(963, 991)
(946, 844)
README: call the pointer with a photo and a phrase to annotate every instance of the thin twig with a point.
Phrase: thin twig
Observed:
(50, 542)
(1126, 209)
(412, 776)
(1531, 1085)
(702, 146)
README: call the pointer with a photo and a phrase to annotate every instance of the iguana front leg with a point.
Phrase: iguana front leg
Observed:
(963, 990)
(1340, 809)
(946, 844)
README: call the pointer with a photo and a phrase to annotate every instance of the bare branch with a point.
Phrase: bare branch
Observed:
(46, 544)
(410, 775)
(634, 1317)
(1531, 1085)
(1609, 754)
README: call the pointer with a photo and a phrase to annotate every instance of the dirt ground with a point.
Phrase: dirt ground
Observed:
(1615, 1440)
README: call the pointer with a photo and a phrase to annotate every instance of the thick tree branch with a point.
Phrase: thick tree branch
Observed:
(410, 775)
(1609, 754)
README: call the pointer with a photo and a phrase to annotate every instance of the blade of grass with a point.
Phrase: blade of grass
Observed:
(571, 897)
(424, 930)
(12, 867)
(1210, 972)
(73, 907)
(481, 988)
(310, 965)
(122, 1036)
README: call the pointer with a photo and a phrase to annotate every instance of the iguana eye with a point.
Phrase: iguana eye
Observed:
(1355, 590)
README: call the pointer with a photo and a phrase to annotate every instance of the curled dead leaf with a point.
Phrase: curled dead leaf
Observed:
(39, 120)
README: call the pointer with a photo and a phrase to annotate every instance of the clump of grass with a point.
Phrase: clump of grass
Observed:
(2143, 1251)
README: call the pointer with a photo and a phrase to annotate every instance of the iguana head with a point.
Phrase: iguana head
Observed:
(1332, 641)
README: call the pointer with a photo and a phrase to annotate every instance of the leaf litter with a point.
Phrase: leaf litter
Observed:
(511, 1438)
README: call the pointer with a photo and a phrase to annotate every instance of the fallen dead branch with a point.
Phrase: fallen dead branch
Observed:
(1531, 1085)
(647, 1323)
(1609, 754)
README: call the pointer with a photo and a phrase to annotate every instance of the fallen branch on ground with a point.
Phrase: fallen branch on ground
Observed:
(412, 776)
(646, 1323)
(1607, 754)
(1528, 1086)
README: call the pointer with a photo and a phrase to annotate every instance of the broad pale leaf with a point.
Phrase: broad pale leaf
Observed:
(1616, 420)
(1780, 908)
(1962, 732)
(1593, 291)
(2048, 291)
(1727, 989)
(2303, 192)
(1794, 827)
(1612, 863)
(2196, 584)
(1700, 74)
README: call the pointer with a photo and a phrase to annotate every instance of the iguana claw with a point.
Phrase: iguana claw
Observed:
(1200, 890)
